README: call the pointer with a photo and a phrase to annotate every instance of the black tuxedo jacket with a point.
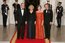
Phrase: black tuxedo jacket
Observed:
(48, 16)
(3, 8)
(60, 12)
(21, 18)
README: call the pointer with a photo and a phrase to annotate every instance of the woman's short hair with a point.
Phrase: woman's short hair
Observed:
(31, 6)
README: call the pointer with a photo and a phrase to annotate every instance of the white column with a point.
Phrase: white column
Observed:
(11, 16)
(0, 12)
(54, 4)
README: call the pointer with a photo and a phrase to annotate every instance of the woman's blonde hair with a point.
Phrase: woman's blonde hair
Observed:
(31, 6)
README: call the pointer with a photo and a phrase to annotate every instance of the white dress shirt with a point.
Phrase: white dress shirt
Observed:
(46, 11)
(22, 11)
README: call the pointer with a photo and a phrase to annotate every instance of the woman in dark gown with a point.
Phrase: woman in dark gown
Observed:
(31, 17)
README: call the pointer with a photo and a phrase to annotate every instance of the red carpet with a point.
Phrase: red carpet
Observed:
(25, 40)
(30, 41)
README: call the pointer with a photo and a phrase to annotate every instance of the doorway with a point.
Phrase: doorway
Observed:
(33, 2)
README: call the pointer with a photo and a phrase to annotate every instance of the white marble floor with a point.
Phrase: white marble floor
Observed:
(6, 33)
(58, 34)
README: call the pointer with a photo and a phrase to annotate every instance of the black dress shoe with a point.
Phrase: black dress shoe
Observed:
(58, 26)
(4, 26)
(22, 37)
(15, 24)
(18, 38)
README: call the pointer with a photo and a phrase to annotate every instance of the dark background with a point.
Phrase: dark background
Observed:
(34, 2)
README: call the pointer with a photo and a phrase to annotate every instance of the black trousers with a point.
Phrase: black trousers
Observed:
(47, 28)
(59, 21)
(31, 30)
(21, 30)
(4, 20)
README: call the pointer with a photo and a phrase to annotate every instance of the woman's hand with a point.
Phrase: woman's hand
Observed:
(42, 23)
(35, 22)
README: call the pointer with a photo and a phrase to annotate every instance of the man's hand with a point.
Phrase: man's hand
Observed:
(57, 10)
(16, 22)
(51, 23)
(5, 13)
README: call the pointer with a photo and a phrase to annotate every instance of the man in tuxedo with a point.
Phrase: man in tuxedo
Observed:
(15, 11)
(48, 19)
(59, 11)
(5, 9)
(21, 21)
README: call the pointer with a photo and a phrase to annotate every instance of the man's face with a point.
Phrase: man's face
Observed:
(59, 4)
(46, 6)
(16, 0)
(23, 6)
(4, 2)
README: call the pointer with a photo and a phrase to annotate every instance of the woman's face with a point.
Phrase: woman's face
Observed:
(31, 8)
(39, 8)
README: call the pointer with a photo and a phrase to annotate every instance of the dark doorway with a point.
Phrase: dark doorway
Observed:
(34, 2)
